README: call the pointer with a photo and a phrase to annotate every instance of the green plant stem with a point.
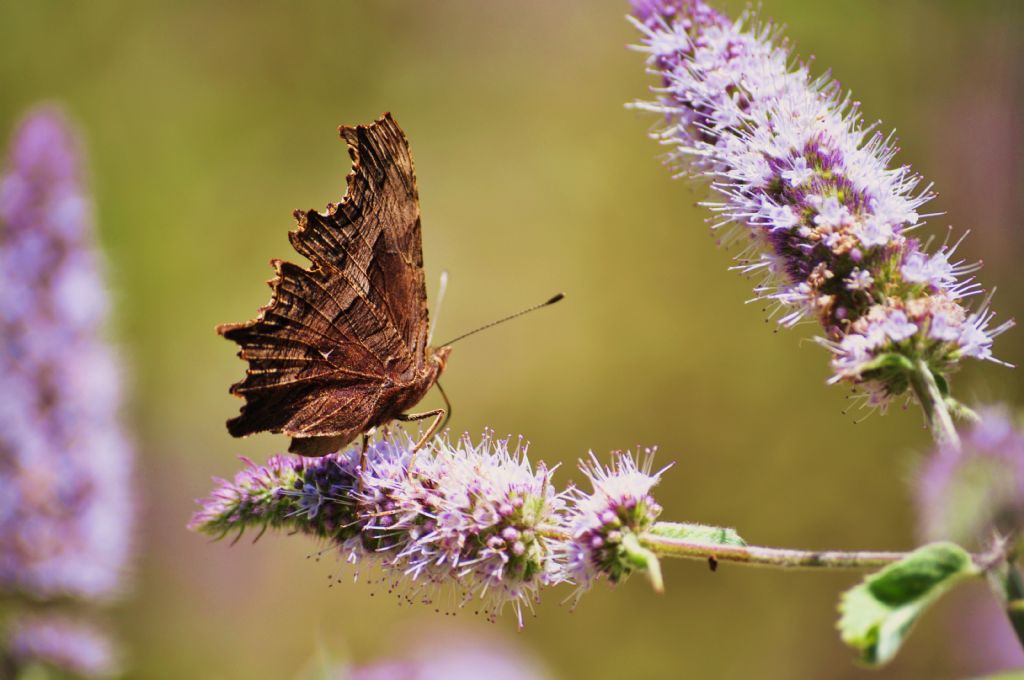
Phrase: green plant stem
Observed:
(780, 558)
(934, 404)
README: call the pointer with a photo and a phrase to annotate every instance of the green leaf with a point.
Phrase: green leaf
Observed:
(697, 533)
(877, 615)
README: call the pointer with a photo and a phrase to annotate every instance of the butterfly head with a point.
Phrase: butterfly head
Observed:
(439, 357)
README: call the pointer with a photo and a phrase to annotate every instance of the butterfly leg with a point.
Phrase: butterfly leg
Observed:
(447, 405)
(437, 414)
(362, 459)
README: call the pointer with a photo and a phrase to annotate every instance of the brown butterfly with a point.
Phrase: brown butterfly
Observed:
(342, 346)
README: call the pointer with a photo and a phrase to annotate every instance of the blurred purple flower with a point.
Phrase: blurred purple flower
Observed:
(461, 663)
(986, 643)
(464, 658)
(476, 520)
(65, 462)
(811, 188)
(965, 493)
(62, 644)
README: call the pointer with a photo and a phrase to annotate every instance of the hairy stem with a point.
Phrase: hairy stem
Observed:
(780, 558)
(934, 403)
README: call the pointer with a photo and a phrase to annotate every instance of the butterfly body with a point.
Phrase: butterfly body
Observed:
(342, 347)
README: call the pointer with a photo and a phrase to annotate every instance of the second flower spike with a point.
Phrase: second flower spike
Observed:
(828, 219)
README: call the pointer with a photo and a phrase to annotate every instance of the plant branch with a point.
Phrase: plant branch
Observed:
(779, 558)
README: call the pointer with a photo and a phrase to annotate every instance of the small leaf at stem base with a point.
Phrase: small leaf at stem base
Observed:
(643, 559)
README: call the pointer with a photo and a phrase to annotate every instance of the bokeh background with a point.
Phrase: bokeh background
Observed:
(208, 122)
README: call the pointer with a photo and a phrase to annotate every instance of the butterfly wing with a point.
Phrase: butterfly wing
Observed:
(334, 335)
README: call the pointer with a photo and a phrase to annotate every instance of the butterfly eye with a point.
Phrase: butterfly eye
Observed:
(440, 357)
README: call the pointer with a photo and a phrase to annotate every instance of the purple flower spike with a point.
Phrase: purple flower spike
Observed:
(63, 645)
(474, 524)
(811, 189)
(65, 463)
(965, 494)
(476, 521)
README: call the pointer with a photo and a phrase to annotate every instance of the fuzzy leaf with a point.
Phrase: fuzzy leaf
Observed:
(697, 533)
(877, 615)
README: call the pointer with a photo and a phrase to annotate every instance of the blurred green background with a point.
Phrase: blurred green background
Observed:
(208, 122)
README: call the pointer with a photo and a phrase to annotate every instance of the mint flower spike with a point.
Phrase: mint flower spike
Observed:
(59, 380)
(812, 190)
(474, 522)
(607, 523)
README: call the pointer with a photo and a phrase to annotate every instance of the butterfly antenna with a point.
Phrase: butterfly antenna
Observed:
(552, 301)
(442, 287)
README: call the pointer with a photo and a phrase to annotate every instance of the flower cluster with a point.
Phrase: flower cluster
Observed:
(65, 461)
(968, 492)
(811, 187)
(475, 520)
(620, 506)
